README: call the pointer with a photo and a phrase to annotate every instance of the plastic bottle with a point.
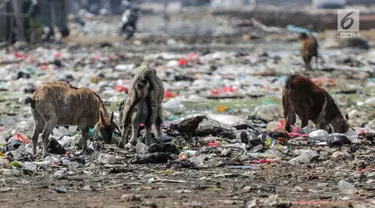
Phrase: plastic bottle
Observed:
(4, 163)
(347, 188)
(141, 148)
(198, 160)
(29, 166)
(305, 157)
(307, 130)
(66, 141)
(73, 166)
(106, 159)
(187, 154)
(318, 133)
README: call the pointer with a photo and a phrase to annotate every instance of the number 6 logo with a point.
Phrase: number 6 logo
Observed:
(348, 20)
(345, 19)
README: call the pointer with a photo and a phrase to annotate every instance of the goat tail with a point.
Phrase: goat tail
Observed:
(289, 113)
(30, 101)
(288, 81)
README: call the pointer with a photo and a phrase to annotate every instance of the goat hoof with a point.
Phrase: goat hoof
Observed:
(89, 151)
(133, 142)
(83, 151)
(128, 146)
(45, 154)
(78, 152)
(121, 144)
(38, 155)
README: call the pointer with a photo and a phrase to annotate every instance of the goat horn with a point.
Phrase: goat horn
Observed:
(332, 128)
(118, 132)
(102, 117)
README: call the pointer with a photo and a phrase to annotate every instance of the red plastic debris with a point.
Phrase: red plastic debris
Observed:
(323, 81)
(192, 56)
(22, 138)
(365, 170)
(58, 54)
(96, 56)
(19, 55)
(113, 57)
(264, 161)
(183, 62)
(295, 129)
(43, 66)
(120, 88)
(215, 91)
(293, 134)
(229, 89)
(214, 144)
(362, 132)
(224, 90)
(169, 94)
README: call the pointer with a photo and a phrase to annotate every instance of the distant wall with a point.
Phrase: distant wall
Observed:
(275, 2)
(278, 2)
(283, 2)
(361, 1)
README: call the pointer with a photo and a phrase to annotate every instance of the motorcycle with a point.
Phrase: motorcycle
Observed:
(129, 21)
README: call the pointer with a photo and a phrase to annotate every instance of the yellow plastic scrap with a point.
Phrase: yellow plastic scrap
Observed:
(214, 189)
(15, 164)
(222, 108)
(161, 172)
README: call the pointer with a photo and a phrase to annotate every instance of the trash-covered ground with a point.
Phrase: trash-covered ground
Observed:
(222, 145)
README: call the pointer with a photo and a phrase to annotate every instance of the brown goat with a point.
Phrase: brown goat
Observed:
(309, 49)
(310, 102)
(59, 104)
(36, 35)
(143, 104)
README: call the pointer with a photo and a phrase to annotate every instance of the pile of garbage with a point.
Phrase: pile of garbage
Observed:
(196, 141)
(222, 112)
(190, 80)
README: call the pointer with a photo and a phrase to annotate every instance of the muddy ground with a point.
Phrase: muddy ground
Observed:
(314, 184)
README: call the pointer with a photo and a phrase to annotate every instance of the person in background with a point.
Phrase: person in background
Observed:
(129, 18)
(166, 16)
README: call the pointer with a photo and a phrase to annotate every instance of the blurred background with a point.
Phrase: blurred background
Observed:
(42, 20)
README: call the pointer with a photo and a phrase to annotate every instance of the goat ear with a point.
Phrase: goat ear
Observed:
(112, 117)
(347, 116)
(102, 117)
(117, 129)
(332, 128)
